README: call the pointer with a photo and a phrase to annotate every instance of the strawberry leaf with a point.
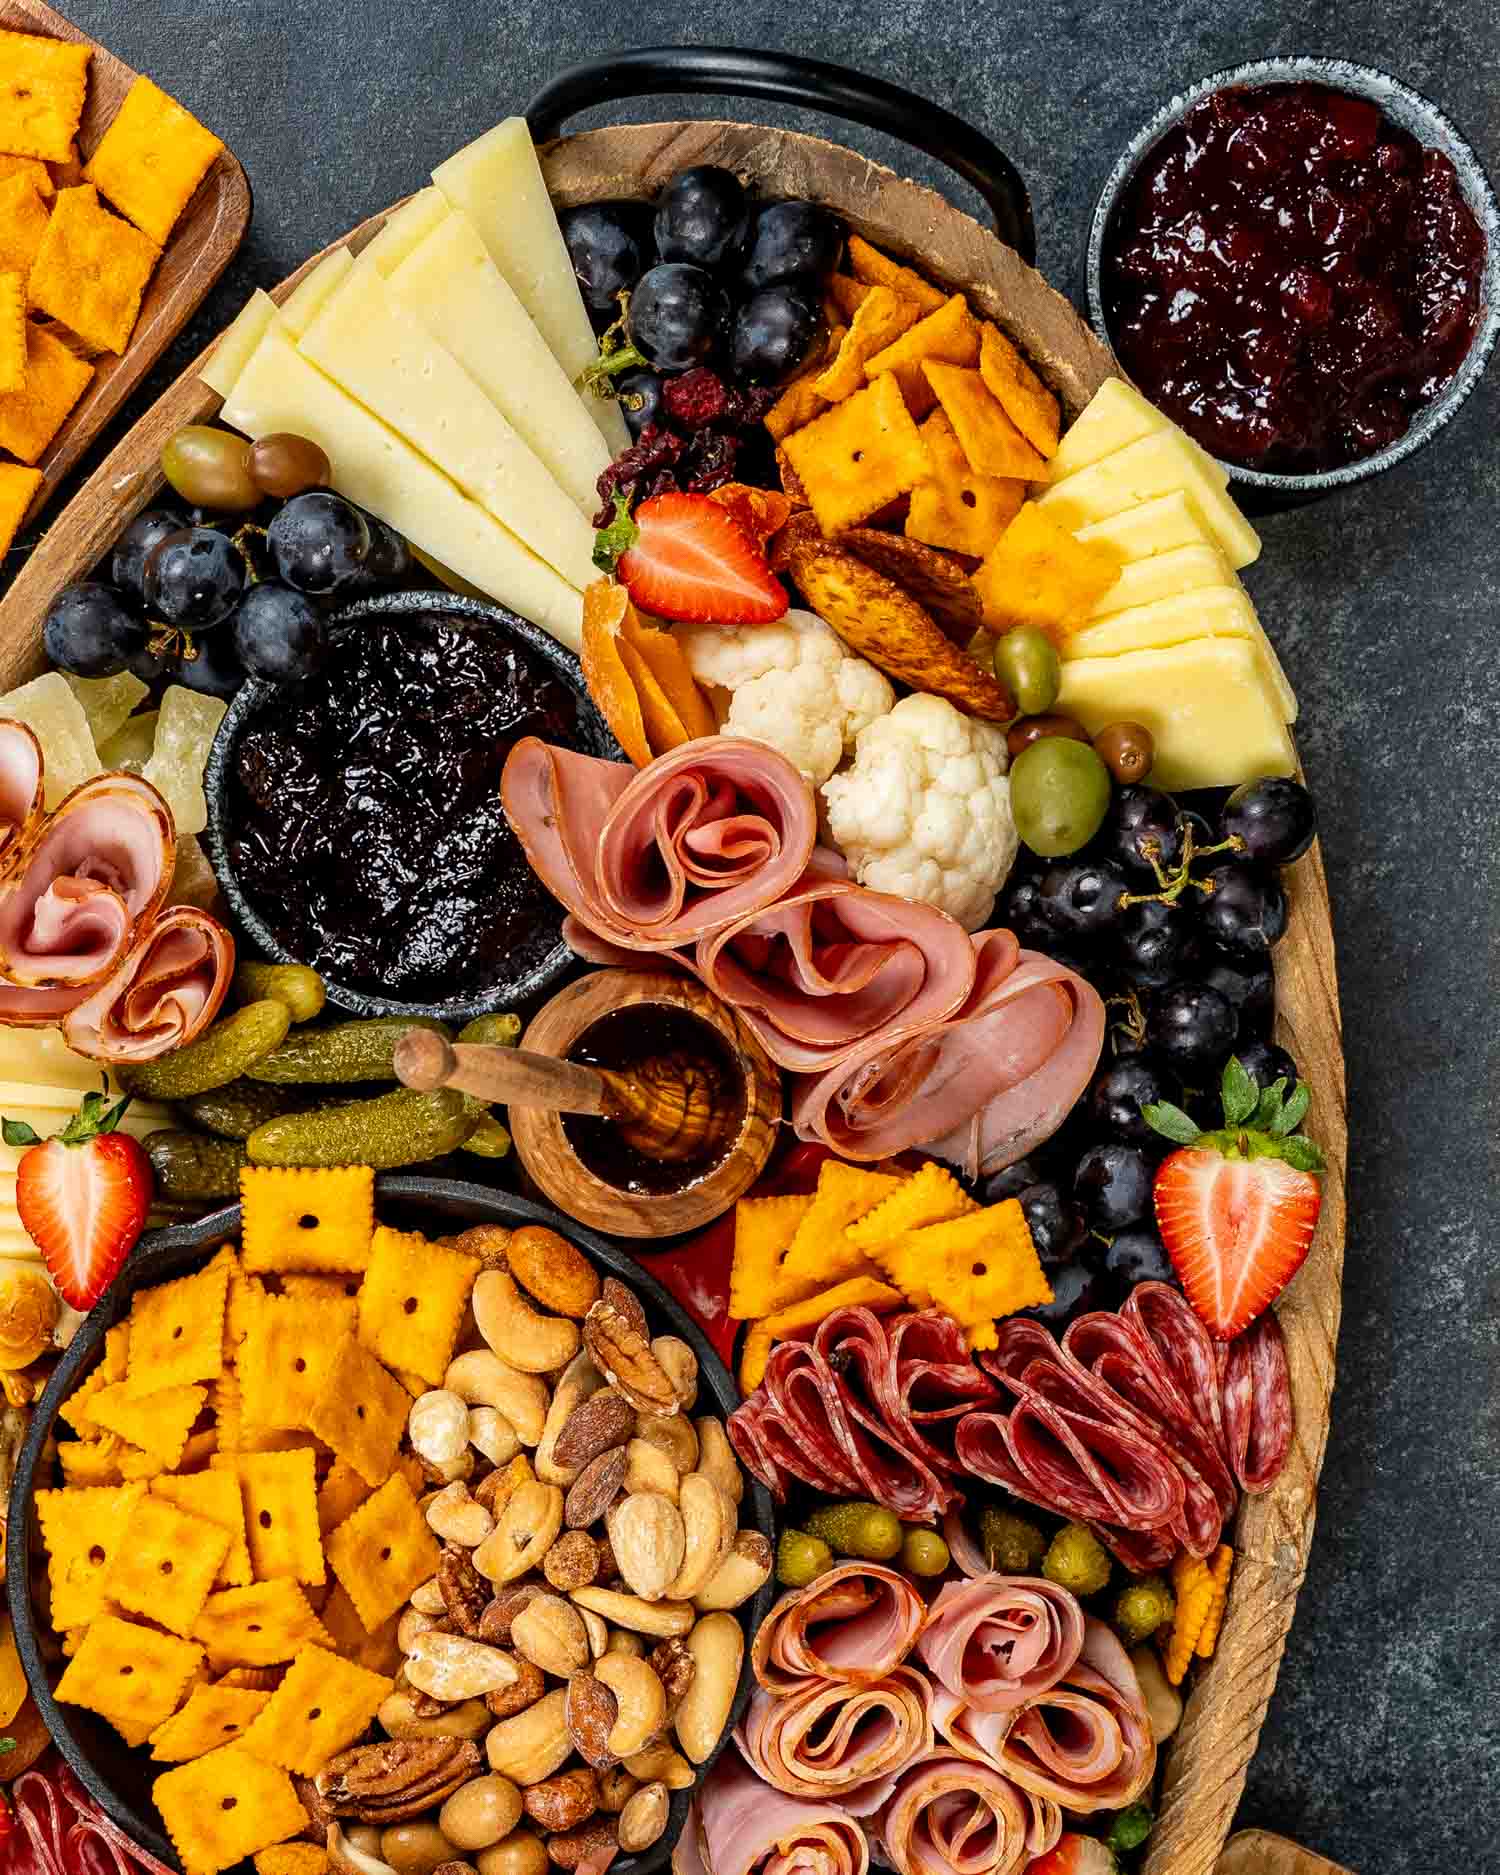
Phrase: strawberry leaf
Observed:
(1240, 1093)
(18, 1133)
(1293, 1113)
(1268, 1107)
(1171, 1122)
(618, 538)
(1301, 1154)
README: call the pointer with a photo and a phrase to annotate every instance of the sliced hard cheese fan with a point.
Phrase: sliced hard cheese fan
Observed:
(498, 183)
(1209, 706)
(1184, 569)
(234, 349)
(40, 1059)
(1206, 612)
(306, 301)
(406, 228)
(279, 389)
(1159, 526)
(449, 282)
(367, 342)
(1117, 415)
(1159, 464)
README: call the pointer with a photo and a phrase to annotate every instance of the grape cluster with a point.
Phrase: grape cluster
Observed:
(1173, 914)
(211, 596)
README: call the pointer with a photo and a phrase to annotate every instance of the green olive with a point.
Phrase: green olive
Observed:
(210, 468)
(1059, 793)
(1028, 729)
(1026, 662)
(1127, 750)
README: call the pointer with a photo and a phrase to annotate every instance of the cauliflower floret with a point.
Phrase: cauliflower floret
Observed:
(794, 686)
(924, 810)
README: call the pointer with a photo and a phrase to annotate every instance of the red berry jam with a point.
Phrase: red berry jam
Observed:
(1292, 277)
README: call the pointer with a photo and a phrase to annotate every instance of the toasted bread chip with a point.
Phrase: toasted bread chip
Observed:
(91, 270)
(225, 1806)
(213, 1716)
(872, 268)
(383, 1552)
(82, 1532)
(177, 1331)
(1026, 400)
(935, 580)
(133, 1676)
(281, 1512)
(886, 625)
(258, 1626)
(215, 1497)
(859, 455)
(412, 1302)
(307, 1217)
(361, 1412)
(1039, 574)
(165, 1564)
(879, 321)
(763, 1232)
(151, 159)
(953, 507)
(992, 443)
(55, 380)
(949, 332)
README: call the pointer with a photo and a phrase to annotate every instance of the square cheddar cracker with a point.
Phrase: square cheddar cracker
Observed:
(258, 1626)
(322, 1705)
(307, 1217)
(383, 1552)
(177, 1331)
(281, 1512)
(151, 159)
(222, 1807)
(211, 1716)
(156, 1423)
(411, 1302)
(215, 1497)
(91, 270)
(284, 1359)
(165, 1564)
(42, 87)
(133, 1676)
(55, 380)
(361, 1412)
(82, 1531)
(858, 455)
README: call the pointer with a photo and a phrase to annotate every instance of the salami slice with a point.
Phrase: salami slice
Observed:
(1257, 1404)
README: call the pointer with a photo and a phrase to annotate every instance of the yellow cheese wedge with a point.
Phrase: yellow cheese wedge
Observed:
(1159, 464)
(1183, 569)
(1209, 706)
(40, 1058)
(1206, 612)
(498, 183)
(305, 302)
(449, 282)
(406, 228)
(233, 350)
(279, 389)
(1159, 526)
(1116, 416)
(368, 343)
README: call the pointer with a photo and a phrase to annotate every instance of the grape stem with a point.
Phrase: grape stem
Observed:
(616, 354)
(240, 540)
(1172, 886)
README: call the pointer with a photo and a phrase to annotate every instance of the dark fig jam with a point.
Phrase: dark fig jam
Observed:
(365, 819)
(1292, 277)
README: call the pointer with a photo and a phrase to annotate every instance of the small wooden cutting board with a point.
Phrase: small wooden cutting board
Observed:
(1258, 1852)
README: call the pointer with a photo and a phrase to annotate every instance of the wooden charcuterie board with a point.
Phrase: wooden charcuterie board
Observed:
(1258, 1852)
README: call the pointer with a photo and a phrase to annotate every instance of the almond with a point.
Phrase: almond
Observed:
(606, 1420)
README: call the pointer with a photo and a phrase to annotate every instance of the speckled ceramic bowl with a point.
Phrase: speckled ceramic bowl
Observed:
(1433, 130)
(533, 967)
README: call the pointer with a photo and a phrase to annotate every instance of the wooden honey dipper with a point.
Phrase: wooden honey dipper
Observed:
(670, 1107)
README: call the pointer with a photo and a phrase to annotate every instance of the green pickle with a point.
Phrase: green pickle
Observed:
(801, 1559)
(296, 985)
(344, 1051)
(857, 1528)
(1076, 1560)
(1013, 1545)
(193, 1166)
(399, 1128)
(220, 1055)
(236, 1109)
(489, 1140)
(502, 1031)
(924, 1552)
(1130, 1829)
(1143, 1606)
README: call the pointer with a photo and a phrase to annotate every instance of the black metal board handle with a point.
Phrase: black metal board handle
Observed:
(814, 84)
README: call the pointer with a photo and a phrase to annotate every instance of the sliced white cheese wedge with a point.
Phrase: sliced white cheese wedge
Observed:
(280, 389)
(230, 355)
(1209, 705)
(307, 300)
(1205, 612)
(1183, 569)
(449, 282)
(407, 227)
(1159, 526)
(1116, 416)
(367, 342)
(1159, 464)
(498, 183)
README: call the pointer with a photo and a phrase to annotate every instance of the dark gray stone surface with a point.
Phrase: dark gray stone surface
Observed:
(1383, 1744)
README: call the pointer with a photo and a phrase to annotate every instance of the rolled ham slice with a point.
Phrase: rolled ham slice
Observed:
(21, 787)
(952, 1816)
(715, 830)
(997, 1642)
(739, 1826)
(857, 1622)
(831, 1738)
(1086, 1744)
(163, 996)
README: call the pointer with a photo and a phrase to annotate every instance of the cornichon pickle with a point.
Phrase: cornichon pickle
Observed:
(345, 1051)
(801, 1558)
(501, 1031)
(924, 1552)
(191, 1165)
(1142, 1607)
(234, 1112)
(296, 985)
(220, 1055)
(1012, 1544)
(394, 1129)
(489, 1140)
(1076, 1560)
(868, 1531)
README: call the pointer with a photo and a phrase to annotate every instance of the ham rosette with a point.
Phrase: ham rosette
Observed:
(717, 829)
(1087, 1743)
(164, 995)
(738, 1826)
(857, 1622)
(997, 1642)
(835, 1739)
(951, 1816)
(21, 787)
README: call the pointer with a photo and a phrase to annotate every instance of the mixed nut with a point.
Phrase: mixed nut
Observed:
(575, 1657)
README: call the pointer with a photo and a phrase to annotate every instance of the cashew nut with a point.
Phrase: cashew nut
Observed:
(716, 1457)
(427, 1598)
(708, 1522)
(412, 1623)
(451, 1666)
(458, 1518)
(355, 1857)
(438, 1427)
(398, 1719)
(648, 1468)
(660, 1761)
(659, 1619)
(527, 1528)
(493, 1434)
(518, 1333)
(680, 1365)
(481, 1378)
(580, 1381)
(533, 1744)
(673, 1435)
(717, 1645)
(642, 1701)
(597, 1629)
(549, 1632)
(739, 1575)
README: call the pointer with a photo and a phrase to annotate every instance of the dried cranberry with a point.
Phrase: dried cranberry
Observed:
(709, 462)
(696, 399)
(657, 450)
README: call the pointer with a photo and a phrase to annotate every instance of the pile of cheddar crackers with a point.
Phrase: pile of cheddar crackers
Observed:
(238, 1528)
(878, 1239)
(79, 241)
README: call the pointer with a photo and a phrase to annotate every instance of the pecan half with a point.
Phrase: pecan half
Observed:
(320, 1812)
(604, 1420)
(626, 1301)
(675, 1666)
(622, 1353)
(594, 1489)
(570, 1848)
(464, 1590)
(564, 1801)
(495, 1621)
(390, 1782)
(528, 1688)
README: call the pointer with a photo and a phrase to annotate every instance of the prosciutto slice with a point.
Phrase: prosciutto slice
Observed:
(738, 1826)
(833, 1738)
(997, 1642)
(951, 1816)
(1087, 1744)
(855, 1623)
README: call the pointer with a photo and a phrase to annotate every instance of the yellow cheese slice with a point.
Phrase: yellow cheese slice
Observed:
(306, 301)
(1116, 416)
(1158, 464)
(1159, 526)
(449, 282)
(41, 1058)
(407, 227)
(1209, 706)
(250, 326)
(370, 345)
(279, 389)
(1183, 569)
(1206, 612)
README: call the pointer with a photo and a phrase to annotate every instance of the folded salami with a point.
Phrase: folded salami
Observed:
(998, 1641)
(1086, 1744)
(856, 1623)
(739, 1826)
(837, 1739)
(951, 1816)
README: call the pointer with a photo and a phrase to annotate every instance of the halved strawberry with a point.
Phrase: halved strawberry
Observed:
(687, 557)
(1237, 1207)
(83, 1196)
(1075, 1854)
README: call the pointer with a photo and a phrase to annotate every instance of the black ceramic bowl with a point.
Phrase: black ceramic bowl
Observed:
(1433, 130)
(120, 1778)
(532, 967)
